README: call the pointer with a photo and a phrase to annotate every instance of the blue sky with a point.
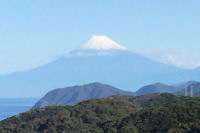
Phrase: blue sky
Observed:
(34, 32)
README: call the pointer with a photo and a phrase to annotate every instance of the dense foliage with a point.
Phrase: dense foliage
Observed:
(161, 113)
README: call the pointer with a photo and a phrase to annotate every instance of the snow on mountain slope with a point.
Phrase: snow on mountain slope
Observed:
(101, 43)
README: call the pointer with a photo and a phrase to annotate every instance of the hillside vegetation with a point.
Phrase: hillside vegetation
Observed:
(154, 113)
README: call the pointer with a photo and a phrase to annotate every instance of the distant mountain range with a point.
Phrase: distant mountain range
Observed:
(192, 89)
(156, 88)
(98, 60)
(178, 89)
(76, 94)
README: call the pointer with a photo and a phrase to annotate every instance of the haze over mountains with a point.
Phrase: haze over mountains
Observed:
(98, 60)
(193, 88)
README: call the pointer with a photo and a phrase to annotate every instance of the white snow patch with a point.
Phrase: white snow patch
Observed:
(101, 43)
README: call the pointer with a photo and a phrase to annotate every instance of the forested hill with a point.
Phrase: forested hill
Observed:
(153, 113)
(75, 94)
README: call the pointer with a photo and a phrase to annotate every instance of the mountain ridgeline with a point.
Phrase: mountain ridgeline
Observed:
(152, 113)
(186, 88)
(192, 89)
(156, 88)
(73, 95)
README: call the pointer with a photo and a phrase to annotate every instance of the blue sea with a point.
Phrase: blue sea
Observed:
(12, 106)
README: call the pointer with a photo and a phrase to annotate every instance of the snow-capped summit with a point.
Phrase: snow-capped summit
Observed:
(101, 43)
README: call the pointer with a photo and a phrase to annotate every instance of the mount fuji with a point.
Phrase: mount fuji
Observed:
(99, 60)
